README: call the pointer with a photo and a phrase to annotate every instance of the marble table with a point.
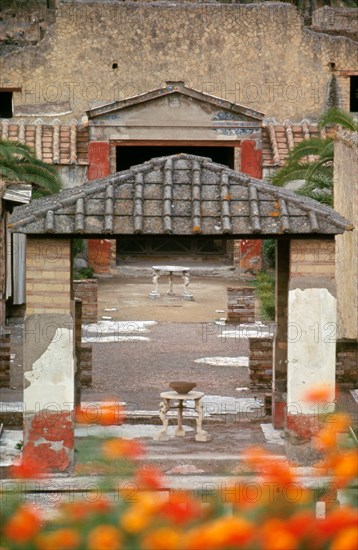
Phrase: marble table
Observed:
(171, 269)
(170, 398)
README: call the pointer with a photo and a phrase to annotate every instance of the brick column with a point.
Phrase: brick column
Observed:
(250, 250)
(99, 250)
(279, 379)
(49, 355)
(311, 348)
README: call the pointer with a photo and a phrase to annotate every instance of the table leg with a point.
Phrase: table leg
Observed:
(187, 294)
(155, 293)
(163, 409)
(171, 282)
(179, 432)
(201, 435)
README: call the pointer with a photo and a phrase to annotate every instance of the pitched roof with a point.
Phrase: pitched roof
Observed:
(180, 194)
(278, 139)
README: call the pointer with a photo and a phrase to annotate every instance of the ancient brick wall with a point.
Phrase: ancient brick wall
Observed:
(260, 363)
(48, 276)
(346, 364)
(4, 358)
(241, 305)
(86, 290)
(258, 55)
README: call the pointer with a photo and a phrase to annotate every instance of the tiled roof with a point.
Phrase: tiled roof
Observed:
(180, 194)
(278, 139)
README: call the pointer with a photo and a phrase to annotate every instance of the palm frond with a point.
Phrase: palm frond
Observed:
(18, 162)
(311, 147)
(337, 116)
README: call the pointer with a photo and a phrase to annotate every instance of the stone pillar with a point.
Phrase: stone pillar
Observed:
(251, 250)
(49, 355)
(99, 251)
(279, 378)
(311, 348)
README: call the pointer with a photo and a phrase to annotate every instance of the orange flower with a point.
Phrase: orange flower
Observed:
(115, 449)
(106, 414)
(223, 532)
(337, 520)
(62, 539)
(346, 540)
(149, 477)
(276, 536)
(181, 508)
(318, 394)
(104, 537)
(23, 525)
(346, 467)
(162, 539)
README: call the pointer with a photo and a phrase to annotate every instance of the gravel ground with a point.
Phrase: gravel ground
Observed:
(137, 372)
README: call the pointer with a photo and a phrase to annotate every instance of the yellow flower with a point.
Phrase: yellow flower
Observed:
(135, 520)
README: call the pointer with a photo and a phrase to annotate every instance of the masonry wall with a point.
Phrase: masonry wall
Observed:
(48, 276)
(86, 290)
(346, 203)
(259, 55)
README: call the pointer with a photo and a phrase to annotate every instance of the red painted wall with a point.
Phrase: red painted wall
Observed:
(98, 250)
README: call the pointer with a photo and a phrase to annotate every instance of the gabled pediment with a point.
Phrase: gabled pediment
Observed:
(176, 95)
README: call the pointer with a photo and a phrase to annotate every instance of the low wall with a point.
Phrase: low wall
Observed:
(4, 359)
(260, 363)
(241, 305)
(86, 290)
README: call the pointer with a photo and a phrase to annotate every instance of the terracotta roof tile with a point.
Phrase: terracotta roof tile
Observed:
(186, 195)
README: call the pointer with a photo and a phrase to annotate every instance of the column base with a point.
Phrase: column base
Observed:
(299, 439)
(49, 440)
(188, 297)
(154, 295)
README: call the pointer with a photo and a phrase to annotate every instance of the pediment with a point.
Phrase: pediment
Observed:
(177, 105)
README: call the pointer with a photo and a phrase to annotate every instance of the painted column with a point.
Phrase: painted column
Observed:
(279, 379)
(311, 348)
(99, 250)
(49, 355)
(250, 250)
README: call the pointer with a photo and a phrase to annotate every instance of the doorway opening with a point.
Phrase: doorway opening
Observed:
(127, 156)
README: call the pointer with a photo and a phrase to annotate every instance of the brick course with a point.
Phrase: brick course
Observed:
(86, 290)
(4, 359)
(260, 363)
(241, 305)
(48, 276)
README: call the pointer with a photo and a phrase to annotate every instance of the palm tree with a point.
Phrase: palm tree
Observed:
(18, 163)
(311, 160)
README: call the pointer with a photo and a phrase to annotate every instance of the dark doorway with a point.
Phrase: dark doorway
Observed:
(127, 156)
(162, 245)
(353, 103)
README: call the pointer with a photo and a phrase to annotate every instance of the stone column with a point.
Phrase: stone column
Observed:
(49, 355)
(279, 378)
(311, 348)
